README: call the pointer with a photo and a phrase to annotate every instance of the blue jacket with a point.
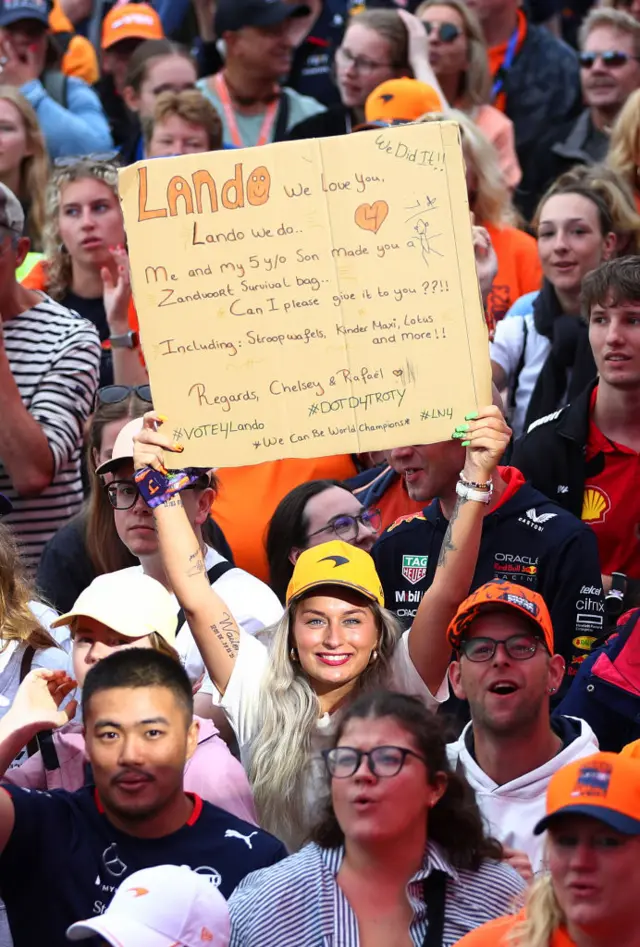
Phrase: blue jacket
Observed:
(370, 485)
(528, 540)
(606, 692)
(80, 129)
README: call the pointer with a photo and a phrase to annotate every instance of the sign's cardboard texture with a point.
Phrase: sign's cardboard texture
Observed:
(309, 298)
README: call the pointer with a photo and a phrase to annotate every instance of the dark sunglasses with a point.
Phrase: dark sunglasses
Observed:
(615, 59)
(446, 32)
(113, 394)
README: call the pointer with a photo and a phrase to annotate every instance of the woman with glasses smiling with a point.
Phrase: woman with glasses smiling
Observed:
(399, 857)
(378, 45)
(313, 513)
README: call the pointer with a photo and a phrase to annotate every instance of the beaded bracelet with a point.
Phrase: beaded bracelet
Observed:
(467, 492)
(474, 484)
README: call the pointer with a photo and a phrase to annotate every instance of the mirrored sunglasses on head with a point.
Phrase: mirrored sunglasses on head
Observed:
(114, 394)
(99, 157)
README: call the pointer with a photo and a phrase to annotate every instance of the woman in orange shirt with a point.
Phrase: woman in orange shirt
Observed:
(590, 896)
(519, 268)
(624, 147)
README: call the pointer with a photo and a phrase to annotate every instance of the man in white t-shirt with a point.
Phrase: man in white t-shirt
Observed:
(252, 603)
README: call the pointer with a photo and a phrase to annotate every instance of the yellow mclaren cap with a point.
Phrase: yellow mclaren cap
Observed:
(336, 563)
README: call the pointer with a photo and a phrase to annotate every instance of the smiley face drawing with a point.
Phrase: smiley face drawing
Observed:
(258, 186)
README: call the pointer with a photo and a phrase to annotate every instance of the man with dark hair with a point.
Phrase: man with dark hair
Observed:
(74, 849)
(585, 457)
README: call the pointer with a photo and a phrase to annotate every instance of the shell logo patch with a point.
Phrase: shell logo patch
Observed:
(595, 505)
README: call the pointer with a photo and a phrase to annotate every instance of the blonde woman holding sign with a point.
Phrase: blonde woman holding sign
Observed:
(335, 640)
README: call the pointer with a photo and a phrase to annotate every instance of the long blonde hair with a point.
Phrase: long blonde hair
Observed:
(492, 203)
(34, 170)
(59, 264)
(543, 916)
(281, 755)
(475, 83)
(624, 146)
(18, 623)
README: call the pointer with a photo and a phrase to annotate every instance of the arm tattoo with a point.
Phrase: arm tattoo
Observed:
(227, 635)
(447, 543)
(196, 564)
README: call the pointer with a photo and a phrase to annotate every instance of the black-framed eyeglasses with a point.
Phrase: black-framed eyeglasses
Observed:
(361, 63)
(614, 58)
(383, 761)
(98, 157)
(446, 32)
(518, 647)
(114, 394)
(346, 527)
(123, 494)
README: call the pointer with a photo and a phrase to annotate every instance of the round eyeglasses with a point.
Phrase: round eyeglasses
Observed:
(383, 761)
(346, 527)
(518, 647)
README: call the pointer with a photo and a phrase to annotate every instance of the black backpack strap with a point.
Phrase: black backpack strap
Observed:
(215, 573)
(48, 750)
(520, 365)
(282, 118)
(25, 667)
(434, 889)
(55, 85)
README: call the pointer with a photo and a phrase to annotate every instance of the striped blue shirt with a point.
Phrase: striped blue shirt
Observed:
(298, 903)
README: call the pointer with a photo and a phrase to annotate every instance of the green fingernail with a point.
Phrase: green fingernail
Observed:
(466, 443)
(457, 434)
(462, 427)
(471, 417)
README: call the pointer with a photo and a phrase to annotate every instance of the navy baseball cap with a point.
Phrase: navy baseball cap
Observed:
(6, 505)
(233, 15)
(13, 10)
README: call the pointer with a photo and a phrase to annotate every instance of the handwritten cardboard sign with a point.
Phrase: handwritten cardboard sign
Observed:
(309, 298)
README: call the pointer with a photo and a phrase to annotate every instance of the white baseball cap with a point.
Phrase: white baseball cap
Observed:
(123, 446)
(165, 906)
(129, 602)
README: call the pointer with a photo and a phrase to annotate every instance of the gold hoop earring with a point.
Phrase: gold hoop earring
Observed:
(374, 657)
(293, 655)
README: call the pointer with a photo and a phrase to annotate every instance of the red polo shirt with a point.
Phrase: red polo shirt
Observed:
(611, 502)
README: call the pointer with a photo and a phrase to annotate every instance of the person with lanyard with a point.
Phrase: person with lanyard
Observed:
(535, 76)
(259, 41)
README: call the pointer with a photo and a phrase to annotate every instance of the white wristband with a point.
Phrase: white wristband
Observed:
(469, 493)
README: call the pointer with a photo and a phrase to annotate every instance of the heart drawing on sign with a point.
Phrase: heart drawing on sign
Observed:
(372, 216)
(398, 372)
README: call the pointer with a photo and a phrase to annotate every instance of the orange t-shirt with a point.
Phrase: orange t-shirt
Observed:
(497, 55)
(248, 497)
(396, 502)
(519, 269)
(496, 934)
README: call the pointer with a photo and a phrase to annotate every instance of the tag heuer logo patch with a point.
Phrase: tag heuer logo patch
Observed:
(414, 568)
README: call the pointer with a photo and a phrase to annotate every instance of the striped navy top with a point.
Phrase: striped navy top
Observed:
(54, 357)
(297, 903)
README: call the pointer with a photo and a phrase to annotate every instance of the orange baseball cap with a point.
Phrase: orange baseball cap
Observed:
(605, 786)
(130, 21)
(335, 563)
(631, 750)
(499, 595)
(398, 101)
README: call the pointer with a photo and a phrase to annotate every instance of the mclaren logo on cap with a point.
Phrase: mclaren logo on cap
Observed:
(337, 560)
